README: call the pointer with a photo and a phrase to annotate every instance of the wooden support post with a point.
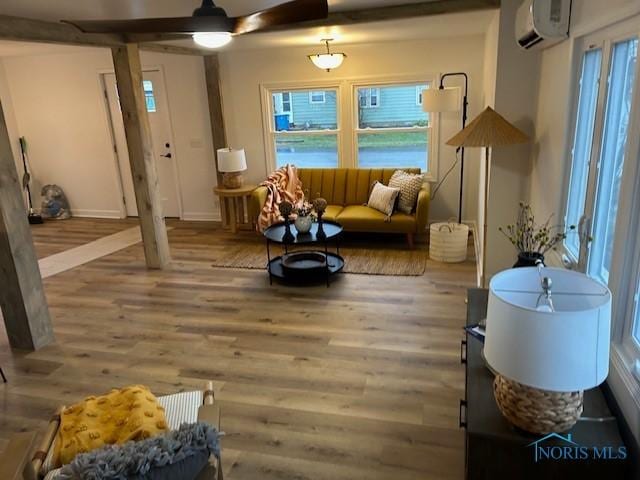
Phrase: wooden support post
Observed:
(126, 61)
(24, 304)
(218, 132)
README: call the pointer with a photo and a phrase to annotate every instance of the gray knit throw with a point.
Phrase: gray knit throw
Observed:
(117, 462)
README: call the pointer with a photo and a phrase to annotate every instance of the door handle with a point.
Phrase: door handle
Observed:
(584, 229)
(167, 155)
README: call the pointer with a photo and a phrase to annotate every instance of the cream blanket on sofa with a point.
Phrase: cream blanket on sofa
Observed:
(283, 184)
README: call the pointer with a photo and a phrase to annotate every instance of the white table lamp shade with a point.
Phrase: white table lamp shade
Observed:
(565, 350)
(441, 100)
(230, 160)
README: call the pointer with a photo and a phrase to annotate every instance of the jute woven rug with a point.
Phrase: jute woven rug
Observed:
(382, 255)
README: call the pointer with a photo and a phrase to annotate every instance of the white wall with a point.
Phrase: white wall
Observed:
(516, 94)
(489, 97)
(244, 71)
(59, 107)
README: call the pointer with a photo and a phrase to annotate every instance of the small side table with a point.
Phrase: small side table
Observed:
(234, 207)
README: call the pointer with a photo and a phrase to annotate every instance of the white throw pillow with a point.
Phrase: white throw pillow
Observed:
(409, 185)
(383, 198)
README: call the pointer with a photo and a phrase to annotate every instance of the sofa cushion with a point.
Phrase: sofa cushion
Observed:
(358, 218)
(332, 212)
(383, 198)
(409, 186)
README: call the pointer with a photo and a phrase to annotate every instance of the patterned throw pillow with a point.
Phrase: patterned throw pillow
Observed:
(409, 185)
(383, 198)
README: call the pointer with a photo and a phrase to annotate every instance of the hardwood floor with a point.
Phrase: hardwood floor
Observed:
(357, 381)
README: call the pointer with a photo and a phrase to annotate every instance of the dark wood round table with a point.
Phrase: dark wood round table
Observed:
(304, 265)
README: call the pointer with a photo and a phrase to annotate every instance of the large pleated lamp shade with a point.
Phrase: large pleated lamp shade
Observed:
(489, 129)
(438, 100)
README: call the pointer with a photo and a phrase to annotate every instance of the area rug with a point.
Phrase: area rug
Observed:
(385, 255)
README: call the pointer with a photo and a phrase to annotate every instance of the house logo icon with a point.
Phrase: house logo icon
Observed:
(543, 451)
(556, 447)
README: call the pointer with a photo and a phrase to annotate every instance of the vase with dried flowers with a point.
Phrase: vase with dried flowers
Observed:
(304, 220)
(532, 240)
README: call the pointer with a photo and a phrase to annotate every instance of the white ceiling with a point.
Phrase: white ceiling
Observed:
(470, 23)
(119, 9)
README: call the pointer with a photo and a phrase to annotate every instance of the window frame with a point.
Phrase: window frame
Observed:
(345, 107)
(269, 130)
(624, 273)
(429, 169)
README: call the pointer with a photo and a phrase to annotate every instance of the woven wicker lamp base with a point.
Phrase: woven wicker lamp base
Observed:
(534, 410)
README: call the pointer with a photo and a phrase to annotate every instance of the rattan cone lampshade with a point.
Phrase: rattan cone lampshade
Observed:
(489, 129)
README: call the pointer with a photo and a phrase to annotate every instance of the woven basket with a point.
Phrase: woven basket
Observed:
(448, 242)
(534, 410)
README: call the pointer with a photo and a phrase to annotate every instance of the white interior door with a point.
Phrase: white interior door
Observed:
(157, 108)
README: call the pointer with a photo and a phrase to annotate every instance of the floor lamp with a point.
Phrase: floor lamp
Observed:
(488, 130)
(448, 100)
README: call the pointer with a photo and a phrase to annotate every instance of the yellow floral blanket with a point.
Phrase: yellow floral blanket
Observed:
(132, 413)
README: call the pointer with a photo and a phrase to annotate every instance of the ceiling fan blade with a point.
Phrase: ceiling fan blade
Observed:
(290, 12)
(184, 25)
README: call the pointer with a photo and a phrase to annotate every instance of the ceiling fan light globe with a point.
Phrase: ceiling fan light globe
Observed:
(327, 61)
(212, 39)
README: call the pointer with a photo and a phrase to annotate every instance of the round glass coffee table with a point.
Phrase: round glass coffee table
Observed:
(304, 265)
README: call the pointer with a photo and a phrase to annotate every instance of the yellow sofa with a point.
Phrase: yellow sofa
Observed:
(347, 192)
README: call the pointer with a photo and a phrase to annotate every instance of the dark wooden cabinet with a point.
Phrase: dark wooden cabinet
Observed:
(496, 450)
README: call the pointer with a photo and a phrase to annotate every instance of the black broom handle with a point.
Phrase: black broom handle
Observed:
(24, 163)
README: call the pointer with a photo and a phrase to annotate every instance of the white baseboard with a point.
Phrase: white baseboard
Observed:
(96, 213)
(201, 217)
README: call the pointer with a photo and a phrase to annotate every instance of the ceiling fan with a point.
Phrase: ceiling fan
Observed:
(210, 25)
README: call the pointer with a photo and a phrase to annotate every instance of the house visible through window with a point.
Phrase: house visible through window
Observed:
(149, 96)
(316, 97)
(396, 134)
(369, 97)
(304, 128)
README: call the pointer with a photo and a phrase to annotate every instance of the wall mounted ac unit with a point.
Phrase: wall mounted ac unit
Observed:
(542, 23)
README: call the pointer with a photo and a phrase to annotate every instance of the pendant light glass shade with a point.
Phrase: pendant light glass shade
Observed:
(327, 61)
(212, 39)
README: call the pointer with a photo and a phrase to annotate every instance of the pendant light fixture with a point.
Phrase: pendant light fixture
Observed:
(327, 61)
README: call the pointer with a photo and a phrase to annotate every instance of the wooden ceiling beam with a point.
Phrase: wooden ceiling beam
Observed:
(395, 12)
(22, 29)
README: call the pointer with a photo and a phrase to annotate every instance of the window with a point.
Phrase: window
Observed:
(636, 319)
(581, 152)
(396, 134)
(604, 183)
(316, 97)
(611, 162)
(147, 86)
(349, 124)
(304, 130)
(369, 97)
